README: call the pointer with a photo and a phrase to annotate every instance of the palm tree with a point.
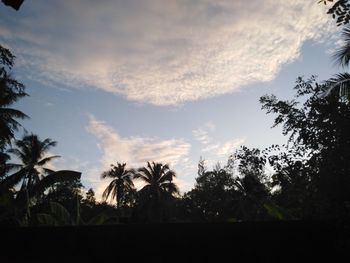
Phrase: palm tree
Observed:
(121, 185)
(159, 186)
(339, 85)
(31, 151)
(342, 55)
(10, 92)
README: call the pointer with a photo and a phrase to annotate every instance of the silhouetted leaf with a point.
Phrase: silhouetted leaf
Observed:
(51, 179)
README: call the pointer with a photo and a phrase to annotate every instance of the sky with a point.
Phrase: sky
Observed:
(168, 81)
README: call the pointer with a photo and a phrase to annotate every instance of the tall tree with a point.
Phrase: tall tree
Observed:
(31, 151)
(121, 185)
(318, 128)
(213, 197)
(340, 10)
(251, 183)
(158, 189)
(10, 92)
(90, 197)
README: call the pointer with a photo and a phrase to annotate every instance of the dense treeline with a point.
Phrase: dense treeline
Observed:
(307, 178)
(310, 178)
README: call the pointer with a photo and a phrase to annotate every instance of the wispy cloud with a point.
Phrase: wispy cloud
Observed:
(212, 147)
(223, 149)
(202, 134)
(49, 104)
(162, 52)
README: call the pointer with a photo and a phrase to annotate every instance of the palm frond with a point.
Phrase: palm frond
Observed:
(105, 175)
(150, 167)
(128, 181)
(340, 81)
(342, 55)
(171, 188)
(144, 174)
(12, 180)
(110, 190)
(47, 159)
(167, 177)
(11, 166)
(51, 179)
(164, 168)
(48, 171)
(6, 57)
(47, 144)
(12, 113)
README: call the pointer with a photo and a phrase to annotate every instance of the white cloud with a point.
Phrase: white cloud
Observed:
(49, 104)
(135, 151)
(203, 135)
(223, 149)
(162, 52)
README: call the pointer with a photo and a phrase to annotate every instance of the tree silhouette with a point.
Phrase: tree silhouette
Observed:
(340, 11)
(339, 84)
(31, 151)
(15, 4)
(292, 182)
(213, 197)
(319, 131)
(158, 189)
(65, 192)
(121, 184)
(10, 91)
(90, 196)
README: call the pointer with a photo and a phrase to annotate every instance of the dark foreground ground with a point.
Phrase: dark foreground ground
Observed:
(227, 242)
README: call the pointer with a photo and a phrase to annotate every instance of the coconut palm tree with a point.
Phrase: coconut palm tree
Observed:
(121, 184)
(159, 186)
(32, 173)
(31, 151)
(10, 92)
(8, 116)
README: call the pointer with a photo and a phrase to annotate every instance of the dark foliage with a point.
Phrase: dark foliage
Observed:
(121, 188)
(308, 178)
(318, 150)
(15, 4)
(10, 92)
(340, 10)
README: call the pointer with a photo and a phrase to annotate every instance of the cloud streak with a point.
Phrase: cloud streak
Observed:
(162, 52)
(223, 149)
(202, 135)
(135, 151)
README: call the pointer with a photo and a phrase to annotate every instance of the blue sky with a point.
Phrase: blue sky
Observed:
(131, 81)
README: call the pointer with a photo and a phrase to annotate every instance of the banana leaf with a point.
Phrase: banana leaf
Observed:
(51, 179)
